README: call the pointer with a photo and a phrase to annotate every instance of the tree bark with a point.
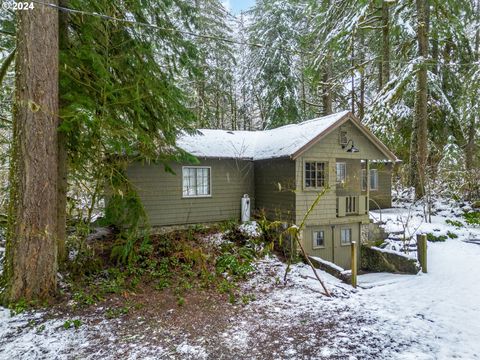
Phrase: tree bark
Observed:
(353, 73)
(327, 79)
(361, 56)
(384, 76)
(420, 133)
(471, 147)
(31, 252)
(327, 88)
(62, 169)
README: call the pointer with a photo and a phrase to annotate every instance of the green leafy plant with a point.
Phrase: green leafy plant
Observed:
(454, 223)
(40, 329)
(233, 265)
(434, 238)
(76, 323)
(452, 235)
(112, 313)
(472, 218)
(82, 298)
(19, 307)
(180, 301)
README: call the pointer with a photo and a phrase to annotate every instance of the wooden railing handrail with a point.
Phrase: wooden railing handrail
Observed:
(378, 207)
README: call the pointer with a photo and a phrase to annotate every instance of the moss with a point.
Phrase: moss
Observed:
(377, 261)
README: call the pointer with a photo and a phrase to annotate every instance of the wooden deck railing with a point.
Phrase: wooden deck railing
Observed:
(352, 205)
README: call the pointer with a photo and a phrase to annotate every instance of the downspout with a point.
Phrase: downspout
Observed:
(333, 243)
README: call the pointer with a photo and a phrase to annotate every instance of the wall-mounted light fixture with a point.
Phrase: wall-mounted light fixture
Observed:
(352, 149)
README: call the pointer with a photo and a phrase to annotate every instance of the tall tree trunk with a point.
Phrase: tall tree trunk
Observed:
(471, 147)
(327, 88)
(361, 56)
(420, 133)
(62, 170)
(31, 253)
(384, 76)
(353, 73)
(327, 79)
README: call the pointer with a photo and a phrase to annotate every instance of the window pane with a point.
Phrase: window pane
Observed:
(196, 181)
(346, 236)
(341, 172)
(315, 174)
(320, 174)
(188, 182)
(373, 179)
(318, 238)
(309, 174)
(364, 180)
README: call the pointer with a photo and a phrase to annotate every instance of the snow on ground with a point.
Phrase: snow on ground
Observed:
(250, 229)
(425, 316)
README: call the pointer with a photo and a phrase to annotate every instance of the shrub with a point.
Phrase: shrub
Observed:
(434, 238)
(472, 218)
(452, 235)
(454, 223)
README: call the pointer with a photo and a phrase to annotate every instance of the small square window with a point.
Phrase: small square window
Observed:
(346, 236)
(318, 238)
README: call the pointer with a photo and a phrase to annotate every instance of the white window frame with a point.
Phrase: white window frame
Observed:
(374, 177)
(343, 231)
(196, 190)
(325, 175)
(344, 165)
(314, 239)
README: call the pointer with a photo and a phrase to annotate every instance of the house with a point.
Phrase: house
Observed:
(282, 170)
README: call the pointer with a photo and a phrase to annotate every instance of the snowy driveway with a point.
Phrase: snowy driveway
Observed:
(439, 311)
(426, 316)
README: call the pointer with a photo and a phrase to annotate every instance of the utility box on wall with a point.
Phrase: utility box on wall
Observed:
(245, 208)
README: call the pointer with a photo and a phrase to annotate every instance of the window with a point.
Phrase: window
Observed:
(373, 179)
(318, 238)
(315, 174)
(341, 172)
(196, 181)
(345, 236)
(364, 179)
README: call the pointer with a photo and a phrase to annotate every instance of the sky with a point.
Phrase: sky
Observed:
(236, 6)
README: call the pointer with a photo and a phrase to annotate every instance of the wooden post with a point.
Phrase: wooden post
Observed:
(422, 251)
(353, 247)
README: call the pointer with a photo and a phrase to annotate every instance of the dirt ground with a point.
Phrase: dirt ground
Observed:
(292, 321)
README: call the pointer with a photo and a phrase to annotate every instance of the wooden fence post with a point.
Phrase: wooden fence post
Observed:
(422, 251)
(353, 247)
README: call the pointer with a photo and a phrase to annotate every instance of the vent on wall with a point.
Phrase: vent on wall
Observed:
(343, 138)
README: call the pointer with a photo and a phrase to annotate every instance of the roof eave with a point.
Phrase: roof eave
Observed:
(348, 116)
(321, 135)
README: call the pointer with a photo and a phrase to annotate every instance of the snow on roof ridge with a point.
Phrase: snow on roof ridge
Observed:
(339, 114)
(257, 145)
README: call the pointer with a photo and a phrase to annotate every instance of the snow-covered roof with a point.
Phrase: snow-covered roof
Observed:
(285, 141)
(256, 145)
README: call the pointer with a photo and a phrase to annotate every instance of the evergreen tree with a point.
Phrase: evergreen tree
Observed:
(121, 96)
(30, 266)
(214, 80)
(274, 66)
